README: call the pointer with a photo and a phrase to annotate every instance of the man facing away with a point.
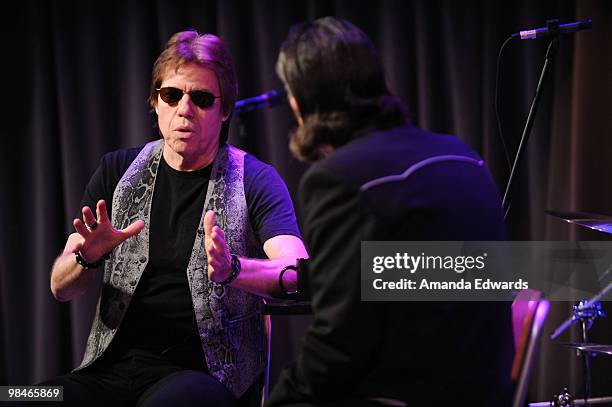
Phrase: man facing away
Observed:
(378, 177)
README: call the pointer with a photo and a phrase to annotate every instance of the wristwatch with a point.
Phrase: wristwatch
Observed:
(280, 279)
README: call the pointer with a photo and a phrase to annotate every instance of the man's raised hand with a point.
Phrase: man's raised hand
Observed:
(98, 236)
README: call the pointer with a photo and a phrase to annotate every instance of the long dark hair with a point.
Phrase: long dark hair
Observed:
(334, 72)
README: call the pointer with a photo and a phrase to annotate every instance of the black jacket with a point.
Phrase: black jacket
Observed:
(411, 351)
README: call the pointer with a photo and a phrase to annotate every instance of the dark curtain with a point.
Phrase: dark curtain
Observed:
(76, 80)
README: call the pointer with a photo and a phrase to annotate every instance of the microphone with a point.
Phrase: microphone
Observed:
(554, 28)
(268, 99)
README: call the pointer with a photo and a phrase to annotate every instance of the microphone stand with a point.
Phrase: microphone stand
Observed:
(553, 26)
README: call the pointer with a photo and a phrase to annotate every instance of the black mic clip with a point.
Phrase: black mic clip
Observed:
(552, 26)
(271, 98)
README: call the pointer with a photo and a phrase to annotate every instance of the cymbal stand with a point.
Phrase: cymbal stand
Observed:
(564, 399)
(585, 312)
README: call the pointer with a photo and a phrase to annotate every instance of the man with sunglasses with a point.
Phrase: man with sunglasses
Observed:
(181, 226)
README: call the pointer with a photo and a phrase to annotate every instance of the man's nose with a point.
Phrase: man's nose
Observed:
(185, 106)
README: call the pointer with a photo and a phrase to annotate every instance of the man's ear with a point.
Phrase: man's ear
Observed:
(296, 110)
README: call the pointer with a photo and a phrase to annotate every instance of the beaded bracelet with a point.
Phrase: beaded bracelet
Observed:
(236, 267)
(88, 265)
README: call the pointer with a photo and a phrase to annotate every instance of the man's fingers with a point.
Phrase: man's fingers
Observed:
(88, 216)
(80, 228)
(209, 222)
(101, 211)
(218, 233)
(216, 239)
(134, 228)
(212, 244)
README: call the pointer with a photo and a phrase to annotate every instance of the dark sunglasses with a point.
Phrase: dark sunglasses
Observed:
(200, 98)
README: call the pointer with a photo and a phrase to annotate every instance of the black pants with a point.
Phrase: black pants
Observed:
(143, 380)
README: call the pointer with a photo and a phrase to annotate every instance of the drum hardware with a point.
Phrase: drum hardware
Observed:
(584, 312)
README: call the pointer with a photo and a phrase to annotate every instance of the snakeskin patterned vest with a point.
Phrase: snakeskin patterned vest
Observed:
(230, 321)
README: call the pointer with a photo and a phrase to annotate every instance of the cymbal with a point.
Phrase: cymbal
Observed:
(595, 221)
(588, 347)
